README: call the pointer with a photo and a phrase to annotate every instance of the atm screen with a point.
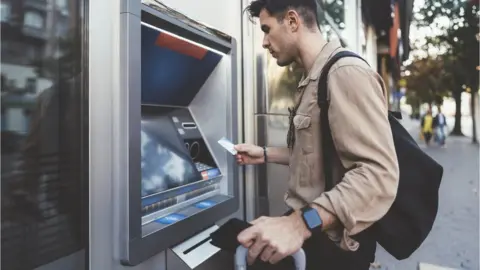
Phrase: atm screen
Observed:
(173, 69)
(176, 163)
(164, 165)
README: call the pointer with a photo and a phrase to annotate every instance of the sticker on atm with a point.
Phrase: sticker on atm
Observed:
(170, 219)
(205, 204)
(211, 173)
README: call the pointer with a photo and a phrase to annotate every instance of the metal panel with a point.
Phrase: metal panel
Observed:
(130, 6)
(272, 178)
(127, 144)
(248, 110)
(103, 70)
(272, 98)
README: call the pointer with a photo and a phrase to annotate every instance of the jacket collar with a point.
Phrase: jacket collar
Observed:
(320, 62)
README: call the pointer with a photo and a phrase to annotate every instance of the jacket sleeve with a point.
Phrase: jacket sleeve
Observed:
(358, 117)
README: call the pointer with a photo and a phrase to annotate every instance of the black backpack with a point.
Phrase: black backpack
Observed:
(409, 220)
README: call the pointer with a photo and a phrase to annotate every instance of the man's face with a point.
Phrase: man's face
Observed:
(279, 39)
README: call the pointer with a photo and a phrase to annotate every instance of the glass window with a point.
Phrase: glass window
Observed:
(31, 85)
(44, 140)
(4, 11)
(33, 19)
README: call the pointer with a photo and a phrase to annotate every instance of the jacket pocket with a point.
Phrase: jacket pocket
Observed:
(303, 133)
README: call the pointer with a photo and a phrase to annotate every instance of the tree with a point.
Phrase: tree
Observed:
(454, 24)
(427, 81)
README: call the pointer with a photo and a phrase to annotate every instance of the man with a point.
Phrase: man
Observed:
(440, 124)
(365, 167)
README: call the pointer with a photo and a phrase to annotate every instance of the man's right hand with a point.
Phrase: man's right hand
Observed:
(249, 154)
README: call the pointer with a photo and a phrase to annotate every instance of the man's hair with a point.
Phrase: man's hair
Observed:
(307, 9)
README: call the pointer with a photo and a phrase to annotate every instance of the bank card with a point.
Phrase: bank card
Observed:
(228, 145)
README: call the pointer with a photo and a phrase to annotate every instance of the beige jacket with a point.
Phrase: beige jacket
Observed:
(366, 156)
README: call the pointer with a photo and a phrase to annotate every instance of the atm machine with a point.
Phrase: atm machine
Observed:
(180, 97)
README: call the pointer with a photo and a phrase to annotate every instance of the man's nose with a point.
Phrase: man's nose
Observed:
(265, 43)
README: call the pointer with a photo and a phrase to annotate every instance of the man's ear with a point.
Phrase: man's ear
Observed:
(293, 20)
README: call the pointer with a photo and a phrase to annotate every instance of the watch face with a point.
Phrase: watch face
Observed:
(312, 218)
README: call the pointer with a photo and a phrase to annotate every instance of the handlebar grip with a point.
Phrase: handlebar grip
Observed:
(241, 259)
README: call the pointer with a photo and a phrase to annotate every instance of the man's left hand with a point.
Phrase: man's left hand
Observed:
(273, 238)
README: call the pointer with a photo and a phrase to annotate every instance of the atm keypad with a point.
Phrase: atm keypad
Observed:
(202, 167)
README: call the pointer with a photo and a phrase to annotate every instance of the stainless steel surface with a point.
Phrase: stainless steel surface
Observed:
(217, 119)
(126, 127)
(272, 178)
(103, 80)
(274, 89)
(249, 92)
(129, 6)
(199, 254)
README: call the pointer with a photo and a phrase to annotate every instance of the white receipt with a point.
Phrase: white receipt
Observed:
(228, 145)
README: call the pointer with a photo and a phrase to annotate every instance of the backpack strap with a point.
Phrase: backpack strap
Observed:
(327, 141)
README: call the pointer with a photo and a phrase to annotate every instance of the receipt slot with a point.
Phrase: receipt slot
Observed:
(179, 97)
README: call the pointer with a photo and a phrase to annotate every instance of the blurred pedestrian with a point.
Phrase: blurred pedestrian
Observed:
(440, 124)
(427, 126)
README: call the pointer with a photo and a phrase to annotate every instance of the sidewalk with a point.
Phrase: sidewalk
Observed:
(453, 241)
(412, 125)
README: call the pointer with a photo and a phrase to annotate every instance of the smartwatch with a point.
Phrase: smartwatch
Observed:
(312, 219)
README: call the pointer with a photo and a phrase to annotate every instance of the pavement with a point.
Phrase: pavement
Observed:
(453, 242)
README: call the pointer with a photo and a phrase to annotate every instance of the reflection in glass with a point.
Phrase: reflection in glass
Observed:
(163, 166)
(44, 136)
(283, 81)
(175, 160)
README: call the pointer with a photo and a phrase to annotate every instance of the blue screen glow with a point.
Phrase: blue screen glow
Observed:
(173, 70)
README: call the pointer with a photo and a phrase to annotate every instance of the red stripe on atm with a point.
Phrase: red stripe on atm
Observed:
(181, 46)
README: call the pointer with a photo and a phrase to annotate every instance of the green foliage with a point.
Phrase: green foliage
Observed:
(456, 25)
(428, 81)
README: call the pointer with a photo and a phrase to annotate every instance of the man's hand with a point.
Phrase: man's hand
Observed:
(274, 238)
(249, 154)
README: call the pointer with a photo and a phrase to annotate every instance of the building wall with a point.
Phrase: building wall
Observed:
(371, 47)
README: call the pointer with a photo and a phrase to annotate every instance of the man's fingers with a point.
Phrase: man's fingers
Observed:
(254, 251)
(276, 257)
(240, 159)
(247, 236)
(267, 253)
(241, 147)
